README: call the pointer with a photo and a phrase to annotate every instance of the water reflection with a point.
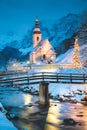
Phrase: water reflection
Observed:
(35, 117)
(53, 114)
(52, 117)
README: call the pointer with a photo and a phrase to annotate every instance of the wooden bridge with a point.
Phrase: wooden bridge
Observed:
(13, 79)
(43, 79)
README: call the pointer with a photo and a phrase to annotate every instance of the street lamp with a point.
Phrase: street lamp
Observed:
(15, 66)
(29, 64)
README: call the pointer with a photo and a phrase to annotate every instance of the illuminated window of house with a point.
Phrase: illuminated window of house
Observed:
(37, 38)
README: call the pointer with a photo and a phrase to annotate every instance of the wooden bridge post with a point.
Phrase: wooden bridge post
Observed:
(71, 78)
(84, 78)
(11, 83)
(43, 93)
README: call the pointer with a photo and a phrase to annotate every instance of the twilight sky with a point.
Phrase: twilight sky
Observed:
(18, 15)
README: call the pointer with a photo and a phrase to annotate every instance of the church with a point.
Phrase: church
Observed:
(43, 52)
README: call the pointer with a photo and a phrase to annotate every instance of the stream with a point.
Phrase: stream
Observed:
(29, 115)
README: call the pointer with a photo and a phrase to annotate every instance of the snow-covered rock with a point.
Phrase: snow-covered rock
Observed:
(2, 109)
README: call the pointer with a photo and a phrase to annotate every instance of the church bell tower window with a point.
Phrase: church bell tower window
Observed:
(37, 38)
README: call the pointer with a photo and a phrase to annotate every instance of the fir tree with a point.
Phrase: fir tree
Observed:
(76, 55)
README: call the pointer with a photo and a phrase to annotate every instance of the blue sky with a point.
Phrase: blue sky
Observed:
(18, 15)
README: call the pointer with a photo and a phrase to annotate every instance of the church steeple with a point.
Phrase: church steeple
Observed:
(36, 34)
(37, 23)
(37, 29)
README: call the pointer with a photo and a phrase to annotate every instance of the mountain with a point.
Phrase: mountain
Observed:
(65, 27)
(56, 32)
(81, 33)
(60, 33)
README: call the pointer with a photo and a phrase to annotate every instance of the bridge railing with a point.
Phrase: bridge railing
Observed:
(50, 77)
(36, 78)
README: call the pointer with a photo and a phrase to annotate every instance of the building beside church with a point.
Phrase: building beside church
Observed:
(42, 50)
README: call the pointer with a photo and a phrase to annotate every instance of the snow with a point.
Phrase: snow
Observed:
(19, 99)
(73, 71)
(2, 109)
(60, 29)
(55, 68)
(65, 28)
(83, 47)
(59, 88)
(83, 54)
(5, 124)
(37, 29)
(62, 89)
(66, 57)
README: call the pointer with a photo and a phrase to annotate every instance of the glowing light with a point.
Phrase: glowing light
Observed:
(14, 65)
(76, 55)
(28, 62)
(27, 99)
(52, 58)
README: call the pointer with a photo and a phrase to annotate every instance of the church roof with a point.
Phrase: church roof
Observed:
(42, 46)
(38, 46)
(37, 31)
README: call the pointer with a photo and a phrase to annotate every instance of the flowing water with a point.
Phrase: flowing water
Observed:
(31, 116)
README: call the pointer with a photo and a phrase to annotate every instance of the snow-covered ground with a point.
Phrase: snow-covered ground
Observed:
(62, 89)
(5, 124)
(55, 68)
(67, 57)
(73, 71)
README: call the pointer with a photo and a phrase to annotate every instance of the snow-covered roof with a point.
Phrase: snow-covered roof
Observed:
(51, 51)
(36, 20)
(42, 45)
(38, 46)
(36, 29)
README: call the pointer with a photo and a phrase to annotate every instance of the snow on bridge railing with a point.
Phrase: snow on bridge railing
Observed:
(45, 76)
(61, 74)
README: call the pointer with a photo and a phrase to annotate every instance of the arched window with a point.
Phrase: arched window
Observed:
(37, 38)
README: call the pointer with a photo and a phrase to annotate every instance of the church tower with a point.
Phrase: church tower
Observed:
(36, 34)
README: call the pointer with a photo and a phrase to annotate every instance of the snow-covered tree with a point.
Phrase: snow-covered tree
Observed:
(76, 55)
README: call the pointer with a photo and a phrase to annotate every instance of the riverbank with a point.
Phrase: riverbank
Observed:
(5, 124)
(25, 113)
(66, 105)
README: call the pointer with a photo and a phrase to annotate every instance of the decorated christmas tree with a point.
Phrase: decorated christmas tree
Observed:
(76, 55)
